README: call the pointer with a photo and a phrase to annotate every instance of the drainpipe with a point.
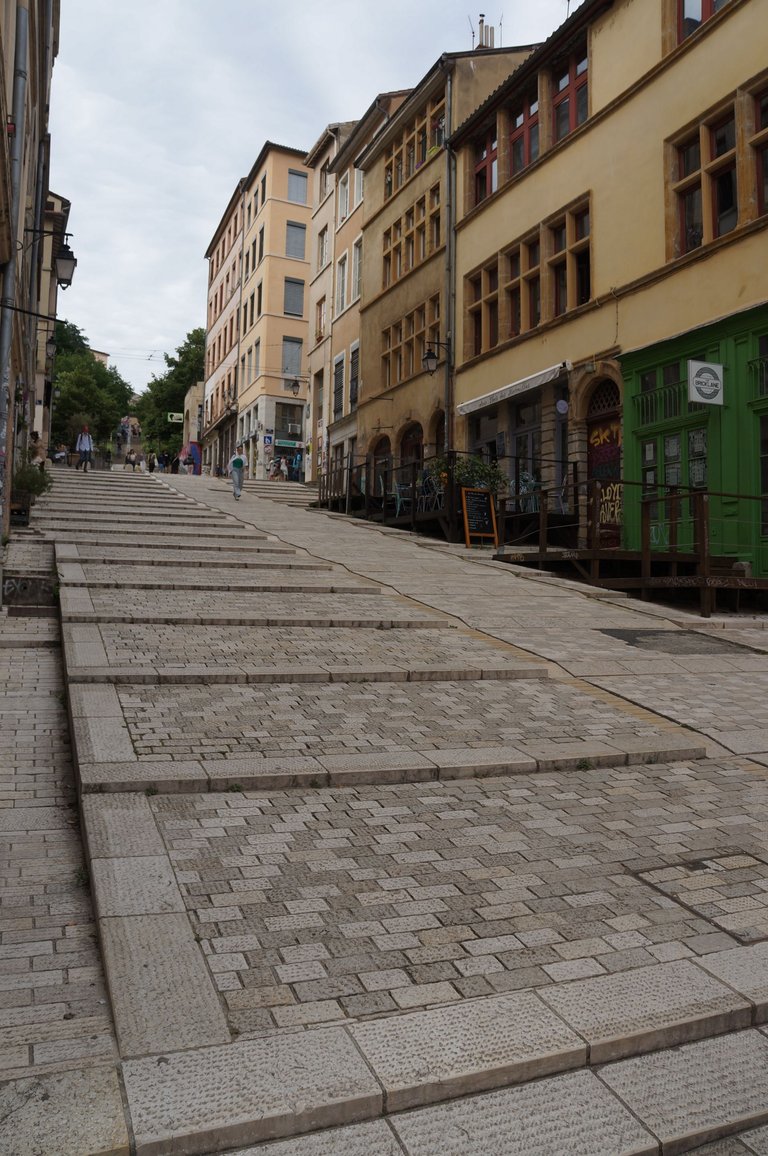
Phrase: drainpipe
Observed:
(9, 272)
(450, 261)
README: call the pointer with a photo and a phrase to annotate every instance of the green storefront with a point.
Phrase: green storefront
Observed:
(717, 443)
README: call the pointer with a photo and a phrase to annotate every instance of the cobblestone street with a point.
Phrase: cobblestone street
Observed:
(391, 848)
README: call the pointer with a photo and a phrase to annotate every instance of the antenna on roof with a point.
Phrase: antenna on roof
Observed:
(501, 31)
(472, 29)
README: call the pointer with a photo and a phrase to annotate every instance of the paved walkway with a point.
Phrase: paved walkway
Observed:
(392, 847)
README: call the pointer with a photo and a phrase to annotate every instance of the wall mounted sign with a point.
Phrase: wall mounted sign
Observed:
(705, 382)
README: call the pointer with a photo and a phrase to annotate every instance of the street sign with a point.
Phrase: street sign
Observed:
(176, 417)
(267, 439)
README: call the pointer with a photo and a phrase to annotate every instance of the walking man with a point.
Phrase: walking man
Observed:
(236, 470)
(84, 446)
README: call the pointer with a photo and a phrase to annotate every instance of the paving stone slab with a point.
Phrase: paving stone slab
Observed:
(264, 773)
(569, 1115)
(694, 1094)
(167, 776)
(162, 993)
(143, 885)
(425, 1056)
(646, 1008)
(100, 739)
(464, 763)
(745, 969)
(408, 766)
(374, 1138)
(94, 702)
(250, 1091)
(120, 825)
(69, 1114)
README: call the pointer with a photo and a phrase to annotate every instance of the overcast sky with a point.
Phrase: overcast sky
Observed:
(160, 106)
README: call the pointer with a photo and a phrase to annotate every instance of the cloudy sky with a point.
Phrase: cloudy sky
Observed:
(160, 106)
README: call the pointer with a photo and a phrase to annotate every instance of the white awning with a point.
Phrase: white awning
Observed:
(524, 385)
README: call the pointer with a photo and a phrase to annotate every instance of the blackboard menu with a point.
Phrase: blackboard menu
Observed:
(479, 515)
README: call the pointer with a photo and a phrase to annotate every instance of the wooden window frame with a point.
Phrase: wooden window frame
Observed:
(524, 118)
(571, 91)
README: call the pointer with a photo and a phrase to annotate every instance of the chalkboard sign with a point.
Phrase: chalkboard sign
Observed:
(479, 515)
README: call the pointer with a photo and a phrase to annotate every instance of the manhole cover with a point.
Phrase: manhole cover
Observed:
(731, 891)
(676, 642)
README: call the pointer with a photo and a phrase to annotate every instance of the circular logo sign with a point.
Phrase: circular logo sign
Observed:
(707, 383)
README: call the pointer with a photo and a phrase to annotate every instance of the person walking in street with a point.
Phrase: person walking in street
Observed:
(284, 469)
(151, 461)
(84, 447)
(236, 471)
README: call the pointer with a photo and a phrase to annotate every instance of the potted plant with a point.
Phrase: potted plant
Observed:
(29, 481)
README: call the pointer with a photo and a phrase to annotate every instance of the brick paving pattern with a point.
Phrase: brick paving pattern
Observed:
(319, 905)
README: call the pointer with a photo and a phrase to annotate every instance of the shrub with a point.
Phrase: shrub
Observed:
(29, 479)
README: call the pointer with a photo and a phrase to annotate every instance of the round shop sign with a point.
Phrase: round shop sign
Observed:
(705, 382)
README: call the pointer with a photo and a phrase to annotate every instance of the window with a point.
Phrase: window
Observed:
(354, 375)
(571, 94)
(322, 248)
(341, 285)
(261, 244)
(323, 183)
(483, 296)
(524, 137)
(404, 344)
(291, 358)
(434, 218)
(257, 359)
(357, 269)
(338, 387)
(263, 190)
(486, 166)
(759, 143)
(293, 297)
(321, 319)
(295, 240)
(358, 190)
(704, 173)
(343, 198)
(693, 13)
(297, 187)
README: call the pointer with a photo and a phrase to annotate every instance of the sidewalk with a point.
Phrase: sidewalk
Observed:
(381, 831)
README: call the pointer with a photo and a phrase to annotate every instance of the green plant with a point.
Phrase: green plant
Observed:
(29, 479)
(234, 787)
(470, 471)
(150, 791)
(584, 765)
(82, 877)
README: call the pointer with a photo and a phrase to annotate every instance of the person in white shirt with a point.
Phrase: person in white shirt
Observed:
(236, 471)
(84, 446)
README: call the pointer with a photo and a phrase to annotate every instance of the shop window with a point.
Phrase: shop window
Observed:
(524, 137)
(571, 93)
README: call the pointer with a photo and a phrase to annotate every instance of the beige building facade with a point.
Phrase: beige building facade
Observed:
(623, 232)
(274, 323)
(407, 248)
(222, 336)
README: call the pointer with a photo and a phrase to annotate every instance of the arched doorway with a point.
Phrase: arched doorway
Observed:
(412, 444)
(604, 458)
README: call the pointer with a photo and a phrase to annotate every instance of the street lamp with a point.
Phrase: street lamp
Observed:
(65, 261)
(295, 387)
(430, 359)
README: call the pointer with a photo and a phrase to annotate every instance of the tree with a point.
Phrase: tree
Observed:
(165, 394)
(90, 393)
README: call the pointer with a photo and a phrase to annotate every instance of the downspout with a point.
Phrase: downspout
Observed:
(9, 272)
(450, 259)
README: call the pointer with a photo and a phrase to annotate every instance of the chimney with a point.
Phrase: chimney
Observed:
(481, 31)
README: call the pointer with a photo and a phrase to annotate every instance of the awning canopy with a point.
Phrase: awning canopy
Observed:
(524, 385)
